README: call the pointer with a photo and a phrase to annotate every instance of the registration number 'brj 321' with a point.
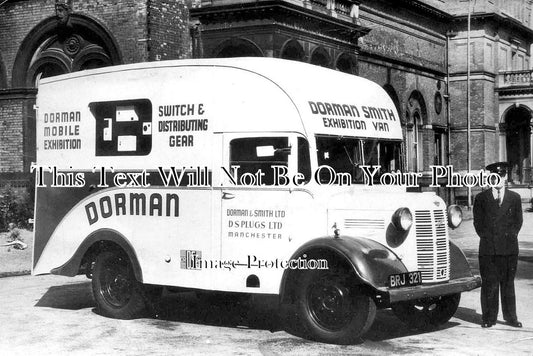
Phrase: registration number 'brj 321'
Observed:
(407, 279)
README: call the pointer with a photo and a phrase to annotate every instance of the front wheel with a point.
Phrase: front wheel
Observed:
(331, 307)
(116, 291)
(427, 313)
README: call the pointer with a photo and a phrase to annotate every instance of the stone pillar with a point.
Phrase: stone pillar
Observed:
(529, 164)
(502, 157)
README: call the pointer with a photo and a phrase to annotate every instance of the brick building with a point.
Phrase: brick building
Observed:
(413, 48)
(41, 38)
(379, 41)
(500, 42)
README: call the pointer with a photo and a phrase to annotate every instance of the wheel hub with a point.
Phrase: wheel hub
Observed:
(333, 299)
(116, 285)
(329, 303)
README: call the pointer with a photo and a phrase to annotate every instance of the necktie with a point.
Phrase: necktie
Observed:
(499, 198)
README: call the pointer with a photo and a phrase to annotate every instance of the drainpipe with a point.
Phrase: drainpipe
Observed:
(449, 35)
(468, 153)
(148, 29)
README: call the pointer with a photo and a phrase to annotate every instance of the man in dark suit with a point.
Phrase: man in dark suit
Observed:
(497, 220)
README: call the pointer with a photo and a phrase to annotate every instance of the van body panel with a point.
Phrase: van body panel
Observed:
(212, 122)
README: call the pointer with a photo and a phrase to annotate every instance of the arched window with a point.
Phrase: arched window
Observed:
(518, 143)
(416, 118)
(293, 50)
(346, 63)
(53, 48)
(320, 57)
(417, 151)
(392, 94)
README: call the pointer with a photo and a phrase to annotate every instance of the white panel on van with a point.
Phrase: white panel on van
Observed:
(108, 130)
(126, 113)
(127, 143)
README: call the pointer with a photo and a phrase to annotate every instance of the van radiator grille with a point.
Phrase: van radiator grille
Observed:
(433, 252)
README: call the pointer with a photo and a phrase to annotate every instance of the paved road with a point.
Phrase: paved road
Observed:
(51, 315)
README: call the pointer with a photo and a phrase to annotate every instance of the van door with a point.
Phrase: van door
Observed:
(255, 209)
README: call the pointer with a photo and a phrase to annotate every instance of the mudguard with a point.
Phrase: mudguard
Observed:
(71, 268)
(459, 266)
(372, 262)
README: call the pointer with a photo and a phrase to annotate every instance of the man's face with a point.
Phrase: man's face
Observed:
(497, 183)
(503, 180)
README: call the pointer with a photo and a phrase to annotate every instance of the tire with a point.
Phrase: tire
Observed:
(330, 307)
(116, 291)
(429, 313)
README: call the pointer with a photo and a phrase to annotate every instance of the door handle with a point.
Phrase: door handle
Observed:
(226, 195)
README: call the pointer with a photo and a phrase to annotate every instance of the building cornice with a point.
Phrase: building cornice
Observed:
(499, 18)
(214, 13)
(366, 56)
(426, 9)
(515, 90)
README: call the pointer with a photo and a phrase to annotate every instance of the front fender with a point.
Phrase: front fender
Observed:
(372, 262)
(459, 267)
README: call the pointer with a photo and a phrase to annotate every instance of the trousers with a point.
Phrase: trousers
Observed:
(498, 274)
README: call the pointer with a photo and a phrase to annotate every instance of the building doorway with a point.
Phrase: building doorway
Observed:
(518, 144)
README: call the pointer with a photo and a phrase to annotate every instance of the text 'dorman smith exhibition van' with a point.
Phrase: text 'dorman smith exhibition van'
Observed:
(245, 175)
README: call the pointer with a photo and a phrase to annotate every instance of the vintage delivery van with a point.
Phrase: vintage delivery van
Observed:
(246, 175)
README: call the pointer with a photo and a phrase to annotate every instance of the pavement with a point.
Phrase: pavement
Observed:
(15, 262)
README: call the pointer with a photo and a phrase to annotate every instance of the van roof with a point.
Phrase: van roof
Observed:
(328, 101)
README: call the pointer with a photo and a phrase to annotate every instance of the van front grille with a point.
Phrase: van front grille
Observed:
(433, 252)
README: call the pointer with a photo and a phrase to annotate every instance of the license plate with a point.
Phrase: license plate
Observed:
(407, 279)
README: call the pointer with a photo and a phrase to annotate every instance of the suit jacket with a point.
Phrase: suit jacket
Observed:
(497, 226)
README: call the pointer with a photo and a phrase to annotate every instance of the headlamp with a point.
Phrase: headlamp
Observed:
(455, 216)
(402, 219)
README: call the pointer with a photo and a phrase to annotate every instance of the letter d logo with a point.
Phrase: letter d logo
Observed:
(92, 214)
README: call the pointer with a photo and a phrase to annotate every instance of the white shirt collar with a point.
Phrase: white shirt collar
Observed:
(495, 192)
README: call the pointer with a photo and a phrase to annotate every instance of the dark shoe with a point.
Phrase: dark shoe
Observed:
(486, 325)
(514, 323)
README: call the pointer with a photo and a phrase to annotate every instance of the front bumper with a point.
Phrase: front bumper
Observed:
(431, 290)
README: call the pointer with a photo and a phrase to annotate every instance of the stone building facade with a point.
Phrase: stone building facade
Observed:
(501, 36)
(415, 49)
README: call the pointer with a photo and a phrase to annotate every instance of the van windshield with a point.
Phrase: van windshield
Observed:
(347, 154)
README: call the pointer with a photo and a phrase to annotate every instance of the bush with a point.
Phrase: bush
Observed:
(15, 207)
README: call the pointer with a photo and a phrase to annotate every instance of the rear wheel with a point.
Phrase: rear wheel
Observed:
(331, 307)
(427, 313)
(116, 291)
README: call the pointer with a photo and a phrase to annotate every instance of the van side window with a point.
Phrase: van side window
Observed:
(384, 153)
(123, 128)
(304, 159)
(258, 154)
